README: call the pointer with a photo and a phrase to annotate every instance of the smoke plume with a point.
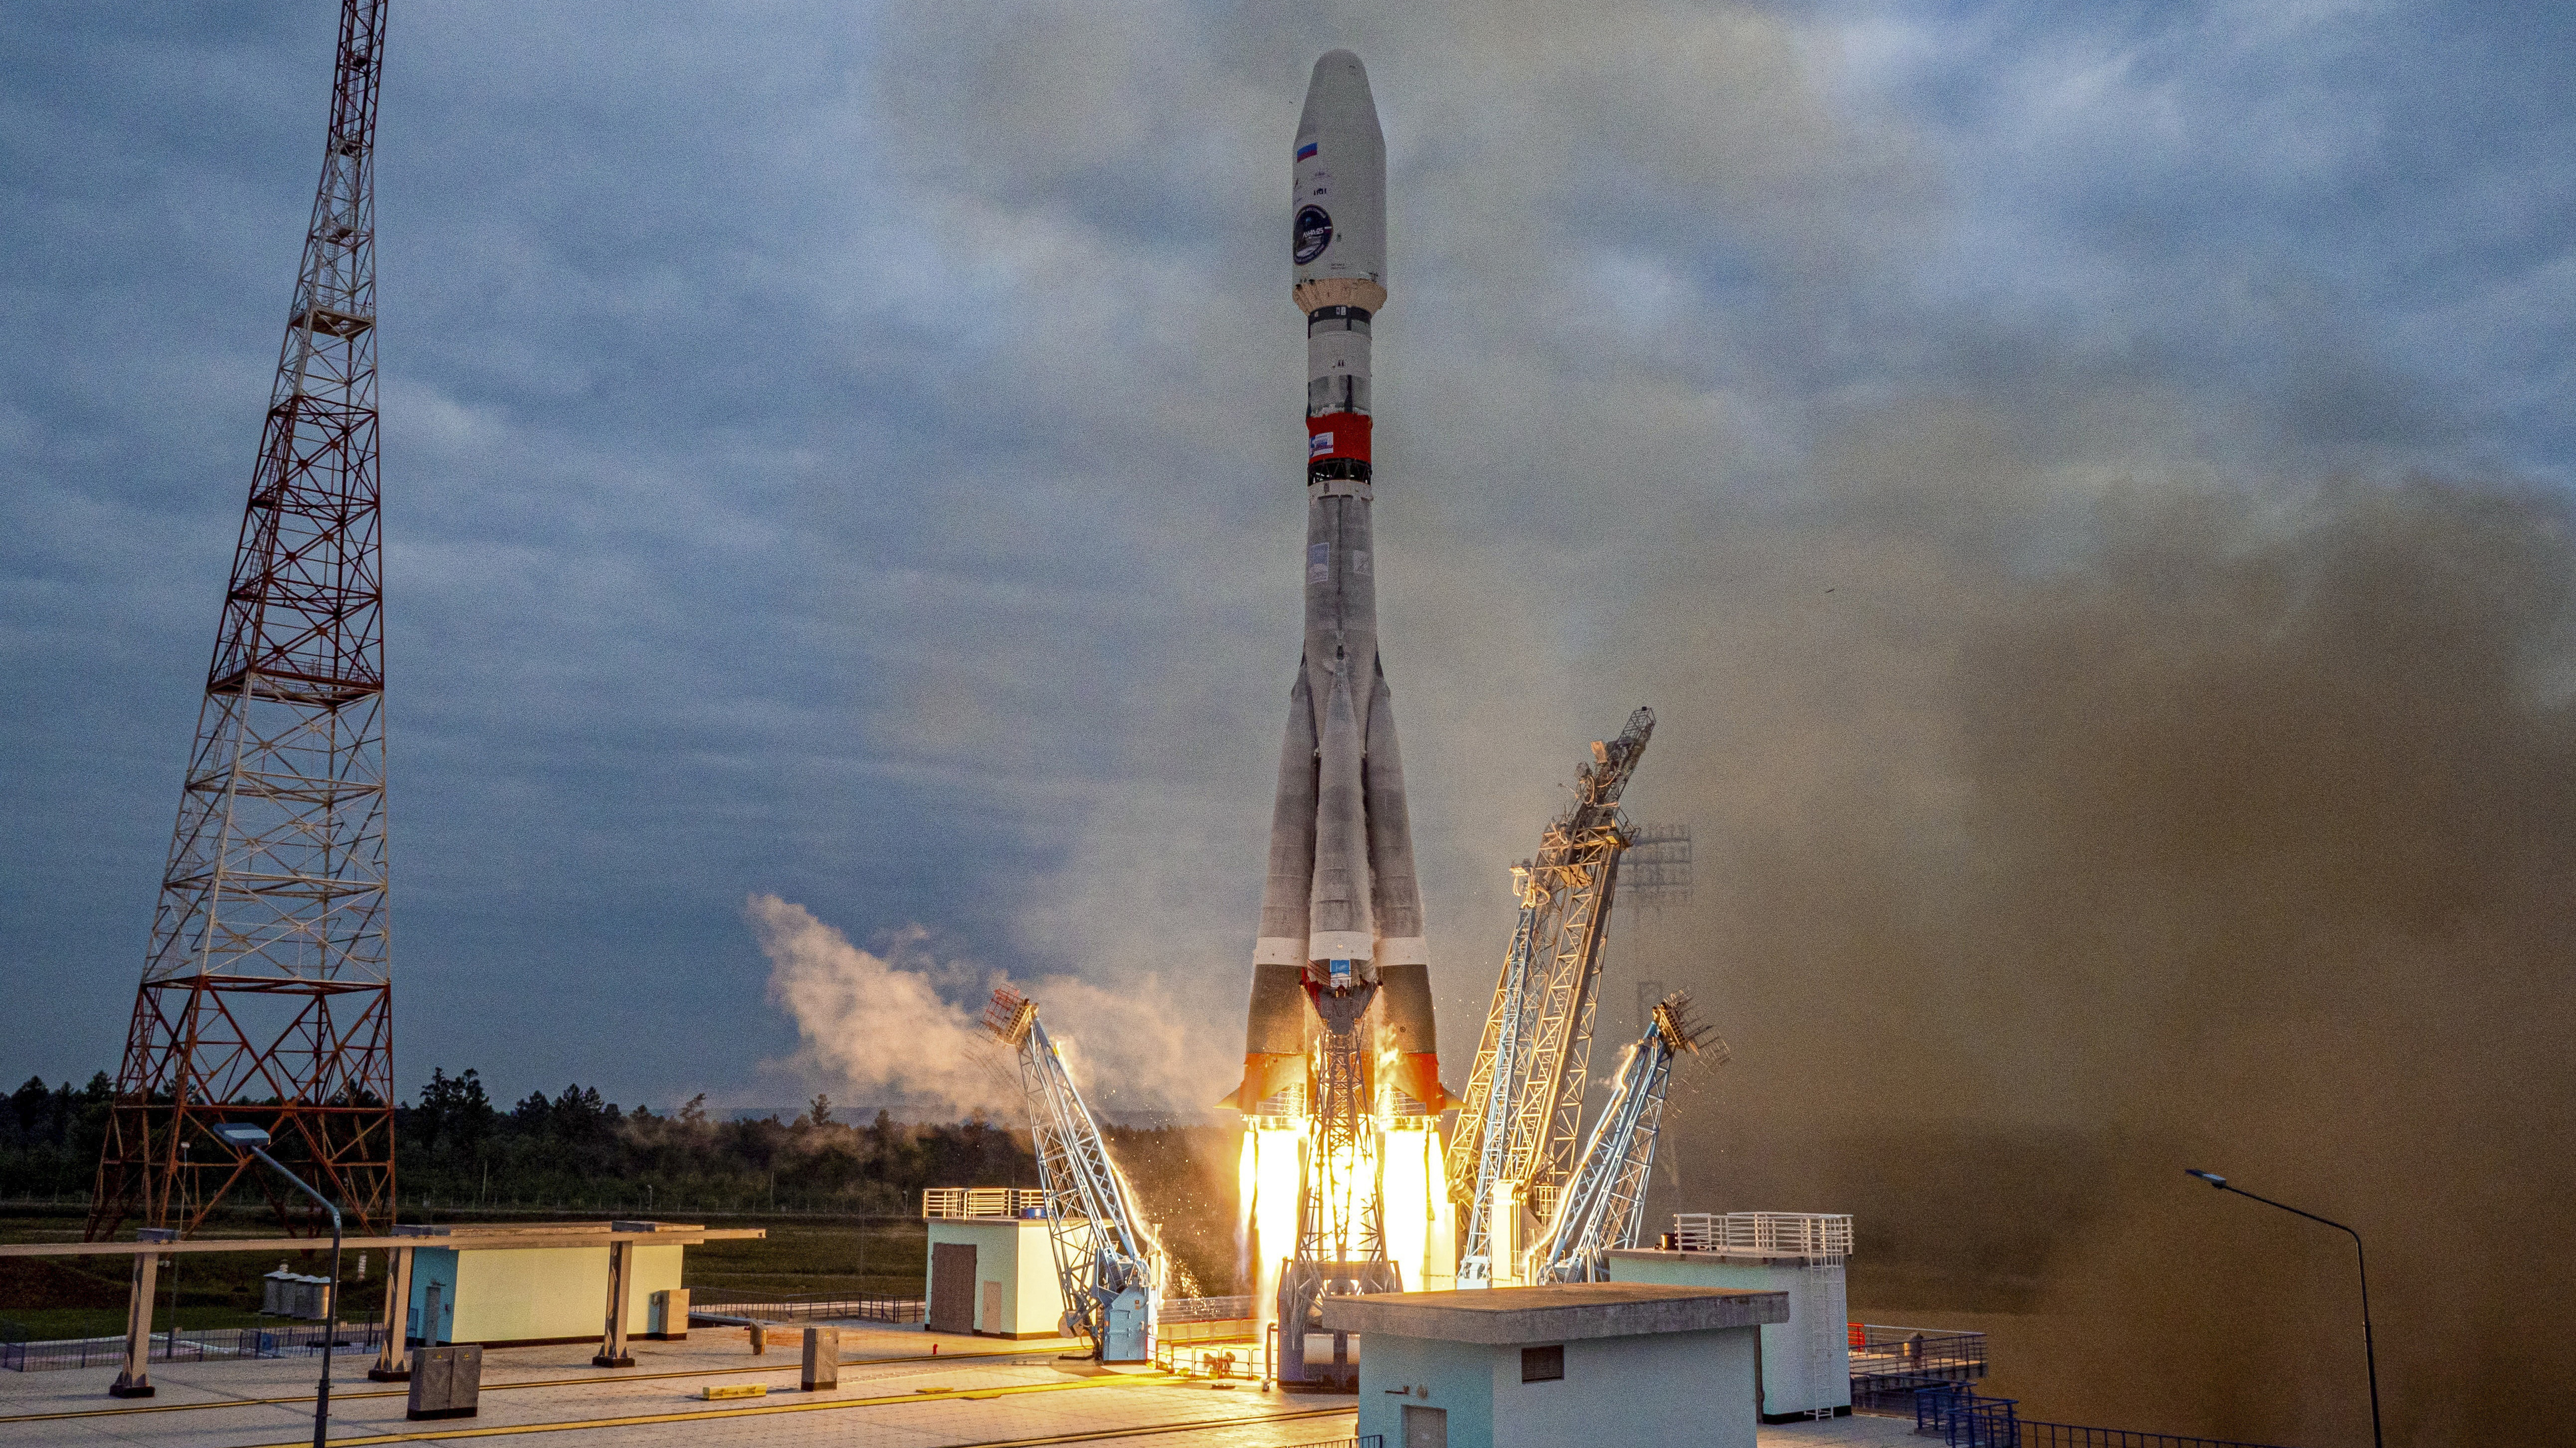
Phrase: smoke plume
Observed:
(2183, 826)
(901, 1029)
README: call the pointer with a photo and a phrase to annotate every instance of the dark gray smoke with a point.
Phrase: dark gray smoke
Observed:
(2169, 826)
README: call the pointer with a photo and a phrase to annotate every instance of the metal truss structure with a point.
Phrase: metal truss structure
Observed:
(1656, 871)
(1524, 1106)
(1604, 1203)
(1341, 1230)
(267, 992)
(1105, 1257)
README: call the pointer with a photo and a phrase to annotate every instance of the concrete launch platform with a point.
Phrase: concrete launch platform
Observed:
(976, 1393)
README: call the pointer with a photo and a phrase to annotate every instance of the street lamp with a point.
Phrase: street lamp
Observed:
(2369, 1354)
(244, 1137)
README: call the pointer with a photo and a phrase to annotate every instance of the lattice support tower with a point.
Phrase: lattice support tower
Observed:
(1518, 1126)
(1341, 1236)
(1603, 1206)
(267, 991)
(1106, 1257)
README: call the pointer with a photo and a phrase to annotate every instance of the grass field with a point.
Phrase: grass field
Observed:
(876, 1256)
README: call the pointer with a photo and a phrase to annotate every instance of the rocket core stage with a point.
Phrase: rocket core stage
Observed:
(1341, 915)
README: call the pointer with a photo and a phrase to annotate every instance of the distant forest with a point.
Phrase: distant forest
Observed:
(575, 1151)
(455, 1148)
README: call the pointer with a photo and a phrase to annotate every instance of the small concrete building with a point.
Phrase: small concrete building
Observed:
(992, 1264)
(500, 1296)
(1537, 1367)
(1806, 1360)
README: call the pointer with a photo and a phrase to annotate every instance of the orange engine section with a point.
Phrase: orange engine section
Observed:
(1418, 1076)
(1265, 1076)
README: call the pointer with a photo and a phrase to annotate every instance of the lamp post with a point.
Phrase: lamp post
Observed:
(170, 1353)
(2369, 1353)
(244, 1137)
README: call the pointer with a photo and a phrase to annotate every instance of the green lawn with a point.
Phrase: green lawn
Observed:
(881, 1257)
(43, 1323)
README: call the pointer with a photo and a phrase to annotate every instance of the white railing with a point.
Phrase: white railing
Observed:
(981, 1201)
(1815, 1236)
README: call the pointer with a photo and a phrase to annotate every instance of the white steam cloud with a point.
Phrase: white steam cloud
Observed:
(901, 1030)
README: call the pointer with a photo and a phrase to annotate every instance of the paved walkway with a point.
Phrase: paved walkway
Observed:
(894, 1393)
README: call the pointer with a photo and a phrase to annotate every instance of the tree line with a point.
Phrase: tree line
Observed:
(456, 1148)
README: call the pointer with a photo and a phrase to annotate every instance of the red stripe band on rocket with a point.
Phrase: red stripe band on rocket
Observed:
(1337, 400)
(1337, 435)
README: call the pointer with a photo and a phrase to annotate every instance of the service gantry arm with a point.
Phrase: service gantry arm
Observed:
(1604, 1203)
(1524, 1103)
(1106, 1256)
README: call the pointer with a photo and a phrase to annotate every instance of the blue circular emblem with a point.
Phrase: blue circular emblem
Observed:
(1314, 233)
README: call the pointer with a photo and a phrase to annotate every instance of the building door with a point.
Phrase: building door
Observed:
(952, 1287)
(993, 1307)
(1426, 1427)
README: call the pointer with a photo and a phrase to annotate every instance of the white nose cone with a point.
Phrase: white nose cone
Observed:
(1340, 208)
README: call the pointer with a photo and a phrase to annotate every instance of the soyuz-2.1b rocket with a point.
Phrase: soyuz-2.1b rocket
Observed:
(1341, 915)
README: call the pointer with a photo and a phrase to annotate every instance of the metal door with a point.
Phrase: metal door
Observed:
(1426, 1427)
(952, 1287)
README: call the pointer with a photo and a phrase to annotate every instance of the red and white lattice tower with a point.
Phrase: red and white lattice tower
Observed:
(267, 993)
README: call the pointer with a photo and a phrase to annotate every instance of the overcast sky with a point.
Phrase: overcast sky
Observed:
(852, 453)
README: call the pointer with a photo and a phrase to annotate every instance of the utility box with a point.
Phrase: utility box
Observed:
(285, 1293)
(667, 1319)
(992, 1263)
(1540, 1367)
(1806, 1361)
(822, 1358)
(446, 1382)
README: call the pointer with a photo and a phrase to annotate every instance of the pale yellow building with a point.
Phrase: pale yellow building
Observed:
(501, 1296)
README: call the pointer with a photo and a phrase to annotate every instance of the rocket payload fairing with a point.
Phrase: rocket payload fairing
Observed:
(1341, 915)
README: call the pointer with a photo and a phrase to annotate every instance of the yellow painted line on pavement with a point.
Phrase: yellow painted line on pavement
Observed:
(605, 1376)
(647, 1420)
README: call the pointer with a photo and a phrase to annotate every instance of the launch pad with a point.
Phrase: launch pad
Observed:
(892, 1391)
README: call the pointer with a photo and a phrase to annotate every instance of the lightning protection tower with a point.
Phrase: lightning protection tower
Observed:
(267, 992)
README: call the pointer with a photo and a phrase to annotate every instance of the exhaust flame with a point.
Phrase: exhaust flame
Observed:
(1280, 1165)
(1274, 1167)
(1413, 1202)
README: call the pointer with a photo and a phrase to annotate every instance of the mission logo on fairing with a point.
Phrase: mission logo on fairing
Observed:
(1314, 233)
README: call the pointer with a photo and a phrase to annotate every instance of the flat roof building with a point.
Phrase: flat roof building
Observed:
(1522, 1367)
(992, 1263)
(1806, 1360)
(483, 1287)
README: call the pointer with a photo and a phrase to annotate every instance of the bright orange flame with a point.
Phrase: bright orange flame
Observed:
(1421, 1234)
(1273, 1168)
